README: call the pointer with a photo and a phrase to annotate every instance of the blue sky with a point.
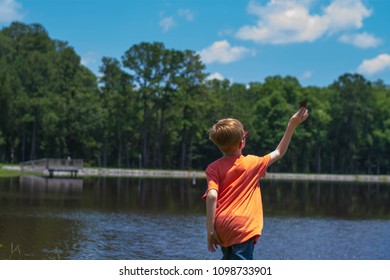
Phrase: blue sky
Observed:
(240, 40)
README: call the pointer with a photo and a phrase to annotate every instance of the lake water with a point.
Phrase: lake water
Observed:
(131, 218)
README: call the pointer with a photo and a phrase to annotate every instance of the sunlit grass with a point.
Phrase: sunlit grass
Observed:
(9, 173)
(6, 173)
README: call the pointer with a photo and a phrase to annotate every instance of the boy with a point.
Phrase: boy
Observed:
(234, 211)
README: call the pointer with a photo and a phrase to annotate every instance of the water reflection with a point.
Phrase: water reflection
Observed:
(53, 185)
(288, 198)
(36, 188)
(151, 195)
(131, 218)
(341, 200)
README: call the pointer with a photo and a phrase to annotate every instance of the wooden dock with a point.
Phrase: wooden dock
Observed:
(52, 166)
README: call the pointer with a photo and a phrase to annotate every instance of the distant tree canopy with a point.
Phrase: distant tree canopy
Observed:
(152, 109)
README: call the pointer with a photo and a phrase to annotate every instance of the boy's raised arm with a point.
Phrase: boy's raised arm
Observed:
(295, 120)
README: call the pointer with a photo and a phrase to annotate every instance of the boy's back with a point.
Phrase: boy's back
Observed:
(239, 215)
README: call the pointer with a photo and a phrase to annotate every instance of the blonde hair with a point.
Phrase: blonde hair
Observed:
(227, 134)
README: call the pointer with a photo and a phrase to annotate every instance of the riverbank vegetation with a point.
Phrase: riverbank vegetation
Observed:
(7, 173)
(152, 108)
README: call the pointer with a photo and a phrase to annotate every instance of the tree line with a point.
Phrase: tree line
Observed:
(153, 107)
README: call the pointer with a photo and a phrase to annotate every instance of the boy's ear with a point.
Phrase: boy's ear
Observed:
(242, 144)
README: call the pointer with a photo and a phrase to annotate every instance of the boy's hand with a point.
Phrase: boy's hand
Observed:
(300, 116)
(212, 241)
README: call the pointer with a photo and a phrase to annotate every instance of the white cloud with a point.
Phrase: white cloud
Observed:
(216, 76)
(187, 14)
(363, 40)
(167, 23)
(375, 65)
(223, 52)
(89, 59)
(290, 21)
(10, 11)
(282, 22)
(306, 75)
(345, 14)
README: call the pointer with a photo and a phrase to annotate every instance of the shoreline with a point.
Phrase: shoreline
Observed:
(194, 174)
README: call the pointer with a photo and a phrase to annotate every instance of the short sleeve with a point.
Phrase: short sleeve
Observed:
(263, 165)
(212, 180)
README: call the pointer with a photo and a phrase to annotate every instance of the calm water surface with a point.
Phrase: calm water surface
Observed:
(129, 218)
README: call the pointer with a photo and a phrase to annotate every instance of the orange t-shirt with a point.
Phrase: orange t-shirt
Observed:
(239, 211)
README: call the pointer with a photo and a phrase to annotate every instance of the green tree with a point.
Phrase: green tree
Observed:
(315, 146)
(120, 125)
(85, 118)
(32, 68)
(188, 103)
(352, 103)
(145, 63)
(42, 81)
(378, 159)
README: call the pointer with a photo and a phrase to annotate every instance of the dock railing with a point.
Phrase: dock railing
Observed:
(37, 165)
(53, 165)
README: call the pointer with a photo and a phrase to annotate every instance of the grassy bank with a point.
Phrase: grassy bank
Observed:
(9, 172)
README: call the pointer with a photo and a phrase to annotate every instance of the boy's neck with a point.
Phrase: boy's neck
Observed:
(236, 153)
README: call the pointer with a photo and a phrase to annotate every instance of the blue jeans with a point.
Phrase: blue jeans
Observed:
(241, 251)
